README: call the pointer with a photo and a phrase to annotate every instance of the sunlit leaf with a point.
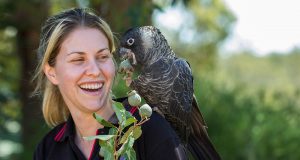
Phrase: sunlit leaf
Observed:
(128, 122)
(128, 114)
(125, 136)
(107, 149)
(130, 154)
(120, 111)
(128, 144)
(107, 153)
(137, 132)
(113, 131)
(103, 121)
(100, 137)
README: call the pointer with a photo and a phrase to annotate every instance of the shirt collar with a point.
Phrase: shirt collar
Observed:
(68, 129)
(67, 132)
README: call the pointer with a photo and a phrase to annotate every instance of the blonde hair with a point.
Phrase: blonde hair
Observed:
(53, 33)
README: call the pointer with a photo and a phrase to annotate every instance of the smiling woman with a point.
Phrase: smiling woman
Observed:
(76, 71)
(83, 70)
(75, 75)
(59, 35)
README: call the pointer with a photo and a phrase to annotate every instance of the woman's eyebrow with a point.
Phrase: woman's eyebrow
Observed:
(81, 52)
(103, 49)
(75, 52)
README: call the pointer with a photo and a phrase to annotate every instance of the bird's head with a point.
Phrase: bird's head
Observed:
(146, 43)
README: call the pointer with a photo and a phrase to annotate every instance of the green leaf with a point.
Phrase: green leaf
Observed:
(113, 131)
(128, 122)
(128, 115)
(107, 149)
(106, 144)
(130, 154)
(103, 121)
(137, 132)
(125, 136)
(120, 111)
(127, 145)
(100, 137)
(107, 153)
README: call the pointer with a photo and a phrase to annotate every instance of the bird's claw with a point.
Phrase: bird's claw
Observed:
(128, 78)
(128, 81)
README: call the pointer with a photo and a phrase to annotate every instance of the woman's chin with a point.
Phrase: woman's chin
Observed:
(94, 107)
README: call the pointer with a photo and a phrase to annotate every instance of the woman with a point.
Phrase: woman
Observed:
(75, 75)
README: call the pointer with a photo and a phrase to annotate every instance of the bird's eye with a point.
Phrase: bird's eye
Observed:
(130, 41)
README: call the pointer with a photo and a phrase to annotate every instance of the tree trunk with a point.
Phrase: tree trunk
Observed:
(28, 17)
(31, 107)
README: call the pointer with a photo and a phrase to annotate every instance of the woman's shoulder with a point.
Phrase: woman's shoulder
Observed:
(54, 134)
(49, 140)
(158, 128)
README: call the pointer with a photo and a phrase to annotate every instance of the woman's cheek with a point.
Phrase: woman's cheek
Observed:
(73, 73)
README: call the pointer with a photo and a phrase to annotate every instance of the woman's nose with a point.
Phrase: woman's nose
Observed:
(93, 69)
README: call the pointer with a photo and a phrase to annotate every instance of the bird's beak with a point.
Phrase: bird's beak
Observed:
(123, 53)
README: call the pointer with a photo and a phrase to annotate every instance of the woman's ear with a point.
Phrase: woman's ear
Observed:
(51, 74)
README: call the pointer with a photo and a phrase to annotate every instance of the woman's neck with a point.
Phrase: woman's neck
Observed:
(86, 125)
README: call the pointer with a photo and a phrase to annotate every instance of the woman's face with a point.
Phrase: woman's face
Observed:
(84, 70)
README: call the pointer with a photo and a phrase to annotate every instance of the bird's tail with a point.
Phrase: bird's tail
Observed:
(199, 144)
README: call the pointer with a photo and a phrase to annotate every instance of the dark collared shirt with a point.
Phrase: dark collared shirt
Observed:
(157, 142)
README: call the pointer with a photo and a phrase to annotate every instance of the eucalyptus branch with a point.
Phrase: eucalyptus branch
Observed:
(142, 122)
(119, 142)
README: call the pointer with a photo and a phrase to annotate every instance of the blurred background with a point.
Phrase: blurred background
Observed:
(244, 56)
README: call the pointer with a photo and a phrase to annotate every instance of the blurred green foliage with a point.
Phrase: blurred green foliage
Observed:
(9, 97)
(251, 104)
(255, 102)
(9, 62)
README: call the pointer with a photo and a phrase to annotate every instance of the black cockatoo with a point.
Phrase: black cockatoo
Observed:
(166, 83)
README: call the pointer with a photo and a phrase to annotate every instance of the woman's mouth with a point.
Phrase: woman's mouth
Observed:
(91, 88)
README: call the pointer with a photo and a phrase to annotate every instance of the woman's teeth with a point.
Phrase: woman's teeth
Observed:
(94, 86)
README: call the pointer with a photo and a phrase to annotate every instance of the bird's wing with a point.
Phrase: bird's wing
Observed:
(168, 85)
(183, 104)
(153, 83)
(181, 98)
(182, 89)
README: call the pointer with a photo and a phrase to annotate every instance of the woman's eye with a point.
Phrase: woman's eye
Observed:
(77, 60)
(103, 57)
